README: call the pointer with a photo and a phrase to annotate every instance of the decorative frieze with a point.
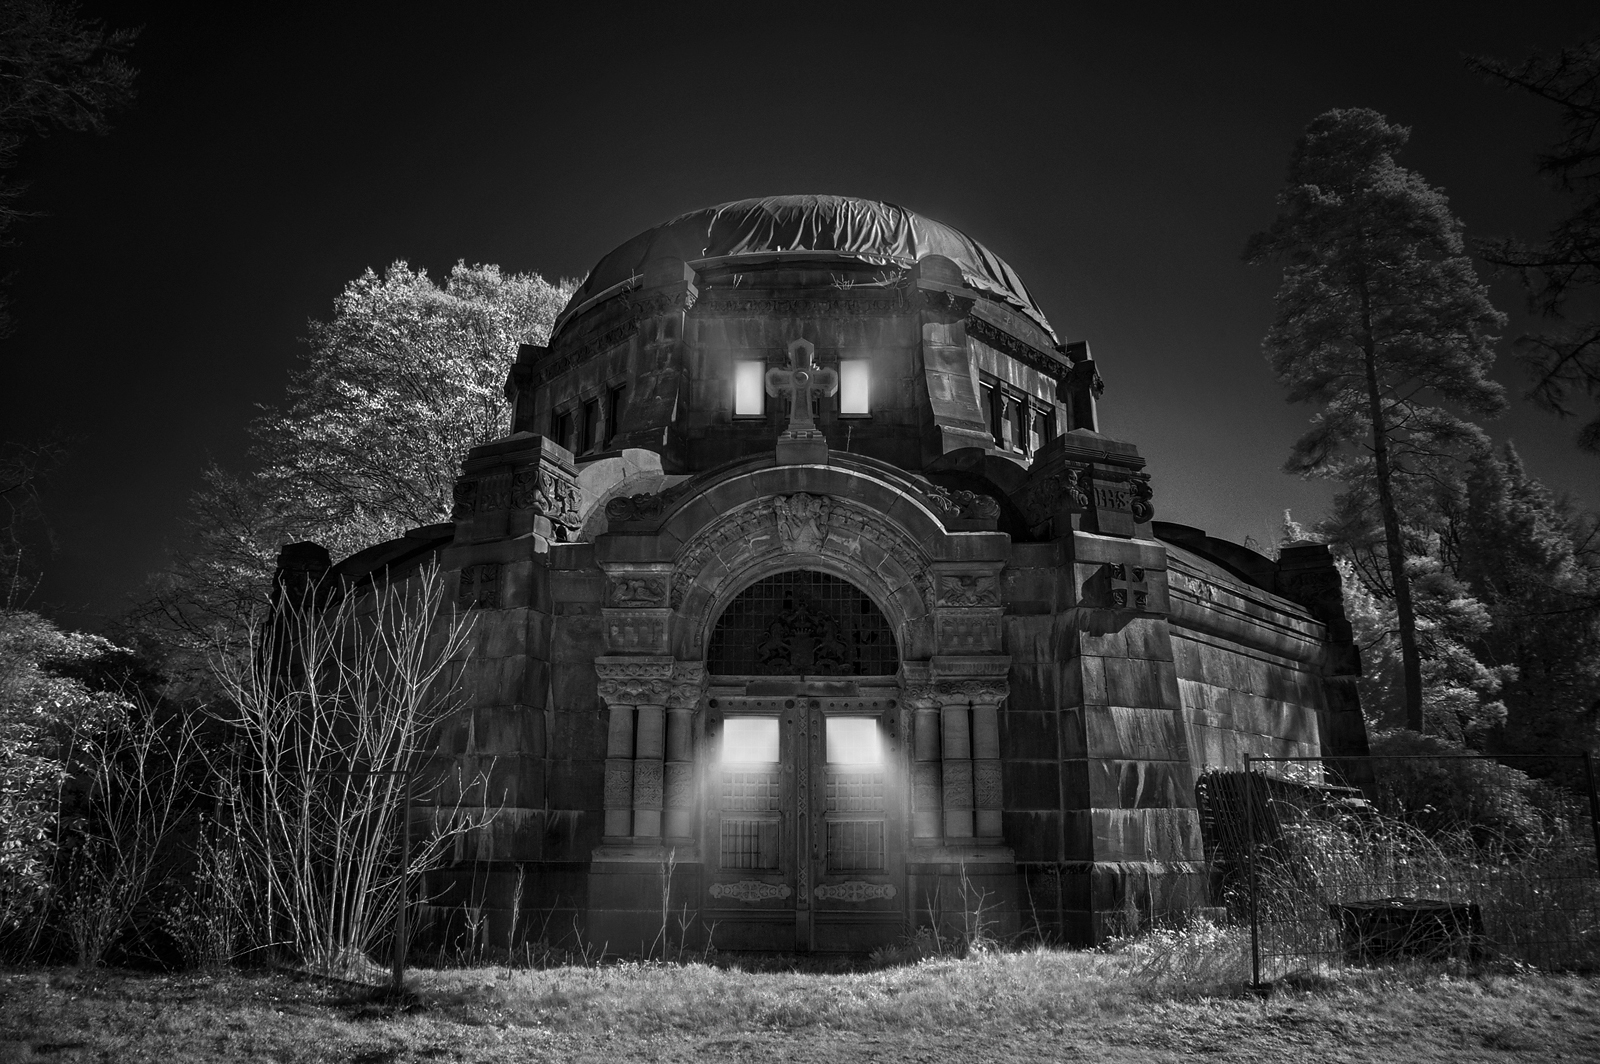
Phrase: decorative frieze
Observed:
(750, 891)
(854, 890)
(804, 308)
(968, 631)
(962, 505)
(634, 682)
(831, 522)
(545, 491)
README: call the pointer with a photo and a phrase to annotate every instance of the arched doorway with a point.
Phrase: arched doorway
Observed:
(806, 811)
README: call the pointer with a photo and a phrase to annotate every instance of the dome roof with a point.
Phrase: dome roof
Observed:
(880, 233)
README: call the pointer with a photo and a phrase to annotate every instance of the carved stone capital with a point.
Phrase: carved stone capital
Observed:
(688, 684)
(642, 681)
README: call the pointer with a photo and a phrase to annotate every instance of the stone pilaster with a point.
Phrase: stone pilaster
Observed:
(688, 687)
(927, 801)
(635, 689)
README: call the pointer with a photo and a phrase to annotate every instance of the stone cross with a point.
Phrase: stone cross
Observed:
(802, 382)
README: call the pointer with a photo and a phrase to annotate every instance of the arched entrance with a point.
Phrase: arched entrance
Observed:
(806, 798)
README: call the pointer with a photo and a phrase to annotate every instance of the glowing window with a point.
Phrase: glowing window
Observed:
(853, 741)
(853, 379)
(748, 388)
(750, 740)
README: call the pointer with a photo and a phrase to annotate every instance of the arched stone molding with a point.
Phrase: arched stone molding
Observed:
(803, 531)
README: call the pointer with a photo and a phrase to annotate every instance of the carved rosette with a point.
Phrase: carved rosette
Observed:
(479, 587)
(854, 891)
(750, 890)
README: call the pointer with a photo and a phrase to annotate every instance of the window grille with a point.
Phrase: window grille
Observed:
(750, 791)
(802, 623)
(855, 792)
(855, 846)
(750, 843)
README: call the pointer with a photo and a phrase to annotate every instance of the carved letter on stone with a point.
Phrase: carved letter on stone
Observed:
(802, 521)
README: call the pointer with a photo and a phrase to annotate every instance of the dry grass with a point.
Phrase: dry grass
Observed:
(1036, 1005)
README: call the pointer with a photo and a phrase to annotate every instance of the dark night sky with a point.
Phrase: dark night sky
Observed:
(1116, 156)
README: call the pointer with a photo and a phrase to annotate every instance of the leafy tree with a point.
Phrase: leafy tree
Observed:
(390, 394)
(1565, 360)
(55, 688)
(1379, 310)
(56, 72)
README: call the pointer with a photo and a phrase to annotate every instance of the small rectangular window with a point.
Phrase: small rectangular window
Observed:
(750, 740)
(853, 386)
(564, 433)
(613, 413)
(1017, 412)
(591, 426)
(991, 411)
(749, 388)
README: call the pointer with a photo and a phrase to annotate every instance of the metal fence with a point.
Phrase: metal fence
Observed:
(1462, 859)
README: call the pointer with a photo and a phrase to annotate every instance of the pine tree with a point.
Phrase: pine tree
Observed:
(1379, 310)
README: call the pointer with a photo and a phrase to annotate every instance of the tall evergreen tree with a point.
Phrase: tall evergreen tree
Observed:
(1379, 311)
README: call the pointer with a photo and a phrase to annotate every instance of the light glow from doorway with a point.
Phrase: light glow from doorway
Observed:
(750, 740)
(854, 741)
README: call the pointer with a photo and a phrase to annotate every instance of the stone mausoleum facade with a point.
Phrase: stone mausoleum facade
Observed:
(807, 582)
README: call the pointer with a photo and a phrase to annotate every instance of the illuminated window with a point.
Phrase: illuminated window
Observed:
(853, 741)
(748, 389)
(853, 377)
(750, 740)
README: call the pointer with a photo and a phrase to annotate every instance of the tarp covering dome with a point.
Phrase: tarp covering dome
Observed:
(879, 233)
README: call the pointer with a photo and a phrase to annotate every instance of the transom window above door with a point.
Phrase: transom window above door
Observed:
(802, 623)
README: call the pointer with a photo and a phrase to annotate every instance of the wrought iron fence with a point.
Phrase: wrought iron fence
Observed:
(1342, 861)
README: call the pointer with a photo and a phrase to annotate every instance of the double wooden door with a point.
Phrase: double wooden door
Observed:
(805, 823)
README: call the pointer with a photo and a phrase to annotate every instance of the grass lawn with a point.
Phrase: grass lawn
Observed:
(1044, 1005)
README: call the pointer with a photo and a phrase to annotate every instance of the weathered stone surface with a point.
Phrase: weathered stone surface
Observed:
(1062, 663)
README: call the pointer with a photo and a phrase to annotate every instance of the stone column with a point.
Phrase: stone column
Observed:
(649, 751)
(635, 689)
(927, 802)
(619, 773)
(688, 685)
(986, 764)
(956, 732)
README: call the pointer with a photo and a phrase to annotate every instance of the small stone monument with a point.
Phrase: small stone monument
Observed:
(800, 442)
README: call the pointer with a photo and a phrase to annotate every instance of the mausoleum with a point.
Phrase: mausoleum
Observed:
(807, 583)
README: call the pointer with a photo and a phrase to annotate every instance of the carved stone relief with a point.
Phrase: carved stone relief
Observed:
(802, 521)
(635, 683)
(969, 590)
(638, 591)
(854, 890)
(750, 890)
(479, 587)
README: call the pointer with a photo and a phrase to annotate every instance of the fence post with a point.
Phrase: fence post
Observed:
(1250, 866)
(1594, 803)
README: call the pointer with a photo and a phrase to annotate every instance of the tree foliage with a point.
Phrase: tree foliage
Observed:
(57, 689)
(390, 393)
(1564, 360)
(1381, 319)
(57, 71)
